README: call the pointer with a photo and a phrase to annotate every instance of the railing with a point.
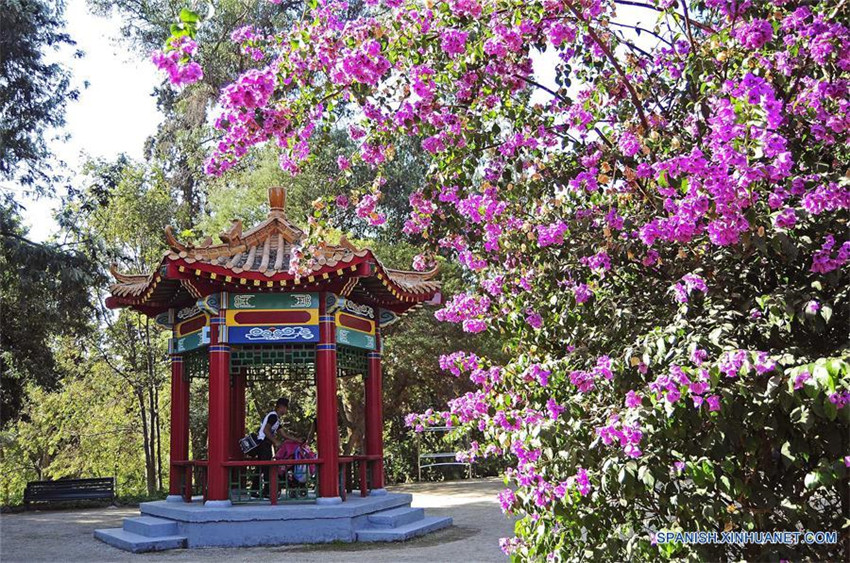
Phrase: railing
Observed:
(346, 471)
(292, 489)
(190, 467)
(194, 473)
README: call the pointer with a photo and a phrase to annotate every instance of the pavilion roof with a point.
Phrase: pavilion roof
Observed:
(257, 259)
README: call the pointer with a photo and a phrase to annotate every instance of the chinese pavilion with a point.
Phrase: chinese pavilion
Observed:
(234, 306)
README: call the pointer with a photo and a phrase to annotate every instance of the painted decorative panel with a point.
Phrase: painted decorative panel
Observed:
(264, 334)
(241, 301)
(354, 338)
(355, 325)
(189, 342)
(388, 318)
(191, 330)
(257, 318)
(193, 324)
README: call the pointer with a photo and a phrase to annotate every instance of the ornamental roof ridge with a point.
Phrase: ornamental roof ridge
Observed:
(260, 257)
(235, 239)
(126, 278)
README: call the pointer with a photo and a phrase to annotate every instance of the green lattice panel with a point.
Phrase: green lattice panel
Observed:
(196, 363)
(283, 362)
(351, 361)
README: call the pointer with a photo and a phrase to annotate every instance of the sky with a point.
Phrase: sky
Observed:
(113, 115)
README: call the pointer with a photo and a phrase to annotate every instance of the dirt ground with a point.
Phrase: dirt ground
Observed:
(67, 535)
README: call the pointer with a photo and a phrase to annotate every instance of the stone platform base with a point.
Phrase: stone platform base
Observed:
(168, 525)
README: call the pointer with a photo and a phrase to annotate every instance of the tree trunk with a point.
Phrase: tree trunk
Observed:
(158, 440)
(152, 430)
(150, 474)
(155, 469)
(351, 407)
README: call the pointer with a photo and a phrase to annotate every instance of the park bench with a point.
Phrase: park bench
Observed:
(70, 489)
(433, 459)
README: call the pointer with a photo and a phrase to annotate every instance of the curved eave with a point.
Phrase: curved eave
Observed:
(362, 277)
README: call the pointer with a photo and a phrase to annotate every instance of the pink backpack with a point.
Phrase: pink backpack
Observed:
(292, 449)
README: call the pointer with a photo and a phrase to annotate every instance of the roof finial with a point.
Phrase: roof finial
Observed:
(277, 198)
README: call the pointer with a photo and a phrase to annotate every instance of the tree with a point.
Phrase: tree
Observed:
(84, 427)
(44, 285)
(44, 293)
(658, 227)
(124, 209)
(33, 90)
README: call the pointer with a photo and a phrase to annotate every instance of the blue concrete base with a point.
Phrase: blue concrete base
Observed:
(165, 525)
(128, 541)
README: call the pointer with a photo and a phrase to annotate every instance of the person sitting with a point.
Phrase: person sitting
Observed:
(271, 434)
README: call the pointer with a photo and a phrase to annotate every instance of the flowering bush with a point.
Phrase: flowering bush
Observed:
(654, 217)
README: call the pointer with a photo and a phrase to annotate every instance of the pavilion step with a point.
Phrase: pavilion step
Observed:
(151, 526)
(396, 517)
(137, 543)
(405, 531)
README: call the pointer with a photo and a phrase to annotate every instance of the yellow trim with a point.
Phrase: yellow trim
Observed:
(370, 321)
(197, 272)
(256, 283)
(212, 275)
(181, 323)
(325, 276)
(230, 317)
(243, 281)
(181, 268)
(311, 279)
(228, 279)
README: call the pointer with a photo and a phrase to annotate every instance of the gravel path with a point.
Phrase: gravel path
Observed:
(66, 535)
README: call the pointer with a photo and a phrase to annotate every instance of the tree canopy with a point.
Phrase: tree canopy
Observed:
(33, 90)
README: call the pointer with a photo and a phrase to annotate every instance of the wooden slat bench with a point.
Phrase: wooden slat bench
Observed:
(70, 489)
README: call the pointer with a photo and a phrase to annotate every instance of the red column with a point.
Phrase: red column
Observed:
(327, 438)
(218, 423)
(179, 426)
(237, 413)
(374, 411)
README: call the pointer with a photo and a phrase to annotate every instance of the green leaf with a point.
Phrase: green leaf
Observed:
(188, 16)
(648, 479)
(802, 416)
(829, 410)
(811, 480)
(177, 30)
(786, 453)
